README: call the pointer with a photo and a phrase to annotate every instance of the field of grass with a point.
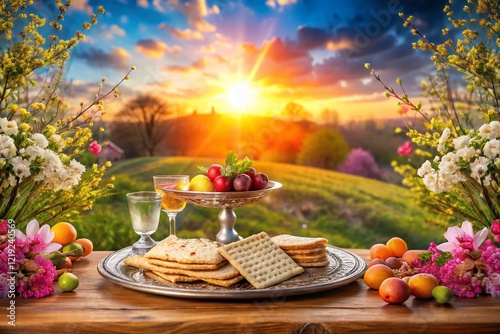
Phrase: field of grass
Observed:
(349, 211)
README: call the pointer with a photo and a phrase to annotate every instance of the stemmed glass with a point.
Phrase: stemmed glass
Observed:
(144, 208)
(171, 205)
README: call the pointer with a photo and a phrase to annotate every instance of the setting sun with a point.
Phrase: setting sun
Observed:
(241, 95)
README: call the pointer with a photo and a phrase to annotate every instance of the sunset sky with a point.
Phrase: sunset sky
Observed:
(252, 56)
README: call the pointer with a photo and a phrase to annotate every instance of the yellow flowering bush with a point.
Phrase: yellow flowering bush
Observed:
(41, 138)
(455, 168)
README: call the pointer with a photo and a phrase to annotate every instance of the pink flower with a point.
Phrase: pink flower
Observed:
(492, 284)
(44, 232)
(405, 149)
(463, 237)
(94, 147)
(495, 227)
(403, 109)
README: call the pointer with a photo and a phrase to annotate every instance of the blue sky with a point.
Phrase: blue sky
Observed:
(252, 56)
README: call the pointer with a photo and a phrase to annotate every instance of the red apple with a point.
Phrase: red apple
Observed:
(223, 184)
(213, 171)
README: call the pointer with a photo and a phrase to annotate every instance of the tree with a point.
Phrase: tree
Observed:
(295, 111)
(360, 162)
(142, 120)
(325, 148)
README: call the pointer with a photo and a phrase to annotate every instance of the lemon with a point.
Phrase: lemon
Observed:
(201, 183)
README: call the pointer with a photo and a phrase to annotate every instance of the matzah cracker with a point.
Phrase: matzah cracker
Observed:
(286, 241)
(189, 266)
(224, 282)
(307, 251)
(260, 260)
(314, 264)
(200, 251)
(309, 258)
(225, 272)
(170, 278)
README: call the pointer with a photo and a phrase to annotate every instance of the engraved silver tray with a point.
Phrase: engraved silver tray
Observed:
(343, 269)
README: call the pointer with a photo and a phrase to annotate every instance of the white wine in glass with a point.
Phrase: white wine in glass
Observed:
(171, 205)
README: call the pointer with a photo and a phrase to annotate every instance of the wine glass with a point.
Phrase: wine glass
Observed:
(171, 205)
(144, 208)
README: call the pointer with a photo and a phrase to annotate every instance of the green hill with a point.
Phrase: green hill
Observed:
(350, 211)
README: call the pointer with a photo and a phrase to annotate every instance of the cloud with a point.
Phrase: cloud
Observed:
(117, 58)
(155, 49)
(109, 32)
(282, 63)
(279, 3)
(186, 34)
(199, 64)
(195, 11)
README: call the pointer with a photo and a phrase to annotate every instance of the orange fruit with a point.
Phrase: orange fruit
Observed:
(411, 255)
(87, 245)
(64, 233)
(380, 251)
(421, 285)
(376, 274)
(397, 246)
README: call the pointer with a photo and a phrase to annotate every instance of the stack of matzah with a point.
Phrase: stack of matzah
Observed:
(305, 251)
(186, 260)
(260, 260)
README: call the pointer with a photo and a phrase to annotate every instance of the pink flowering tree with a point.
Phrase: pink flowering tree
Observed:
(361, 163)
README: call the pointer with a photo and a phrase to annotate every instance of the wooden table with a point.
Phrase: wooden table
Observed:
(100, 306)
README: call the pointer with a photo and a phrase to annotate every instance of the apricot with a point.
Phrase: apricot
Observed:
(376, 261)
(421, 285)
(376, 274)
(393, 263)
(410, 255)
(394, 290)
(397, 246)
(406, 279)
(380, 251)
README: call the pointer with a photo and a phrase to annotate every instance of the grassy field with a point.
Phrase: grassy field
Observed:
(349, 211)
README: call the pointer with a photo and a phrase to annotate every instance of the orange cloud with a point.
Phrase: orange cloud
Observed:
(276, 3)
(155, 49)
(186, 34)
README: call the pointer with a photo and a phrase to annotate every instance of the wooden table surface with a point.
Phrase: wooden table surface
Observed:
(100, 306)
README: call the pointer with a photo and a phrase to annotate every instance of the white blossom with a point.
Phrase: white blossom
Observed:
(40, 140)
(492, 149)
(442, 141)
(8, 127)
(21, 167)
(7, 147)
(479, 168)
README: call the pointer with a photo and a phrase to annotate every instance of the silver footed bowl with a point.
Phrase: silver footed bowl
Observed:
(225, 201)
(230, 199)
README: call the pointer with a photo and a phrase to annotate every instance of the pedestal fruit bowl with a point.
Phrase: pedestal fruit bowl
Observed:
(225, 201)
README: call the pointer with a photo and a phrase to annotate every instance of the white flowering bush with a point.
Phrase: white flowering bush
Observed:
(452, 162)
(41, 137)
(468, 164)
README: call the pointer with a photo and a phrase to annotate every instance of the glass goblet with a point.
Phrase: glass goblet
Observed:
(171, 205)
(144, 208)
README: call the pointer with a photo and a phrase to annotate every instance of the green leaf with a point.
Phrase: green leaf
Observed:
(202, 169)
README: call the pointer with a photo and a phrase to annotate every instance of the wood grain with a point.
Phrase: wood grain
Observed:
(100, 306)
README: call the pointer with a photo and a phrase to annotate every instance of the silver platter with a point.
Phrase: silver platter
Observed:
(231, 199)
(343, 269)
